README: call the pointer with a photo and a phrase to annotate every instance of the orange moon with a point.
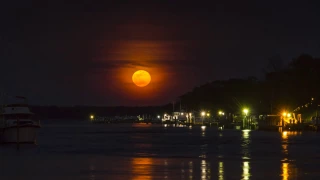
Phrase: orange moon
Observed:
(141, 78)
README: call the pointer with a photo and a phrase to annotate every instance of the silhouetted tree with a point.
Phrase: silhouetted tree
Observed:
(284, 88)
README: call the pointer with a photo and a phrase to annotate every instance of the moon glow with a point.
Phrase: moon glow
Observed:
(141, 78)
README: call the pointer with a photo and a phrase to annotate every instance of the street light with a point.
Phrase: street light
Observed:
(190, 117)
(245, 120)
(203, 114)
(284, 114)
(208, 114)
(245, 111)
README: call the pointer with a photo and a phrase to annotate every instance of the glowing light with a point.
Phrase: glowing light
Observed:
(131, 55)
(245, 111)
(181, 113)
(284, 134)
(203, 127)
(284, 114)
(208, 114)
(289, 115)
(203, 113)
(158, 117)
(221, 113)
(141, 78)
(91, 116)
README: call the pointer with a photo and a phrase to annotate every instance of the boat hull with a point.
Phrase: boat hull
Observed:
(26, 134)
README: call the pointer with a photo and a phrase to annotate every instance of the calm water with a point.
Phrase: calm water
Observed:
(79, 150)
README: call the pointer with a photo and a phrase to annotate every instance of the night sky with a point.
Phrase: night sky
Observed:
(85, 52)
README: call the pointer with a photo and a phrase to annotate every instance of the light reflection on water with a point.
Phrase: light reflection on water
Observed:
(142, 168)
(285, 173)
(246, 170)
(221, 171)
(289, 171)
(166, 169)
(204, 146)
(190, 170)
(205, 170)
(245, 144)
(246, 154)
(287, 168)
(92, 170)
(183, 171)
(143, 153)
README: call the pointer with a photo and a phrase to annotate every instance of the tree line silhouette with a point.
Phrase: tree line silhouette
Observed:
(283, 88)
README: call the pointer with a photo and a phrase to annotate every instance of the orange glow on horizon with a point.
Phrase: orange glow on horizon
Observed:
(143, 51)
(124, 86)
(141, 78)
(158, 58)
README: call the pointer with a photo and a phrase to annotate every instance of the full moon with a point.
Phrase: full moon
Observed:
(141, 78)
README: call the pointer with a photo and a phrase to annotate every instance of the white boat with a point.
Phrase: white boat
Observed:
(17, 123)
